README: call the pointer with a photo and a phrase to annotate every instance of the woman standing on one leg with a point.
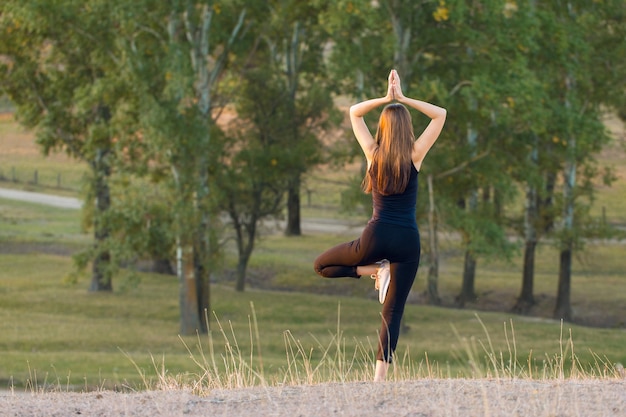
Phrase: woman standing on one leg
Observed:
(389, 246)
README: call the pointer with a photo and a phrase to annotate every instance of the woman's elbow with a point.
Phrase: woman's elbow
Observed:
(356, 112)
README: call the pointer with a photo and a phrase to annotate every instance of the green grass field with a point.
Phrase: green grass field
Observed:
(62, 335)
(290, 325)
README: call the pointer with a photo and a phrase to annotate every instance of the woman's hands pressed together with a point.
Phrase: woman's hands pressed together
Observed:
(394, 88)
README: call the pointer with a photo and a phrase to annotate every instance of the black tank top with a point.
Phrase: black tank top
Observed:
(398, 209)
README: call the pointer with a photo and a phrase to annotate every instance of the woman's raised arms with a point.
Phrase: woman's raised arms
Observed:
(394, 92)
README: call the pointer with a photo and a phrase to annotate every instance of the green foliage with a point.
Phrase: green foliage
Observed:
(61, 64)
(362, 48)
(143, 222)
(60, 73)
(137, 91)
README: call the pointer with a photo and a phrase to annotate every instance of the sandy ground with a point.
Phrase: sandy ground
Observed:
(421, 398)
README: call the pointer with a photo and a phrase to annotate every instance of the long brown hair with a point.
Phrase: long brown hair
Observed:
(391, 161)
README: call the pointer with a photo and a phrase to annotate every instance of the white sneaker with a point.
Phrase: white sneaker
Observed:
(382, 277)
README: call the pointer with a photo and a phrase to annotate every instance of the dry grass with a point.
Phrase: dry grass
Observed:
(328, 387)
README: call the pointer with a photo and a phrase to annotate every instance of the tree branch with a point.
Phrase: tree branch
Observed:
(459, 86)
(462, 165)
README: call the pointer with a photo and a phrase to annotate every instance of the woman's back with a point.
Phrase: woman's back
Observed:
(398, 209)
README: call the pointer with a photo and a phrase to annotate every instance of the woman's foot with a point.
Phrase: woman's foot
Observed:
(382, 277)
(381, 371)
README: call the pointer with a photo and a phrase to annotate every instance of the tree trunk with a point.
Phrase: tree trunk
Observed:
(162, 266)
(547, 216)
(469, 266)
(194, 287)
(468, 292)
(245, 251)
(188, 291)
(202, 248)
(242, 266)
(526, 298)
(433, 255)
(292, 69)
(202, 259)
(293, 209)
(563, 309)
(101, 272)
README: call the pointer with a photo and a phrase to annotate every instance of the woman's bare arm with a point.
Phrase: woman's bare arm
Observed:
(360, 129)
(437, 115)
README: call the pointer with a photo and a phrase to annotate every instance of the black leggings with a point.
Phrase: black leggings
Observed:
(399, 245)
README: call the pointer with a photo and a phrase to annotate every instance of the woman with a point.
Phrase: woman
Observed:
(389, 246)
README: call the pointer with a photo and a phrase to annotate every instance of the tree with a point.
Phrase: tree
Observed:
(539, 176)
(283, 104)
(292, 43)
(572, 66)
(59, 69)
(479, 54)
(256, 159)
(432, 280)
(177, 55)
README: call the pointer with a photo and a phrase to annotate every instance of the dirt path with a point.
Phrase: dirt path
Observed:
(308, 225)
(40, 198)
(423, 398)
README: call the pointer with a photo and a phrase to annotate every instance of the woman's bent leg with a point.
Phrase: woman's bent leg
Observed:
(337, 262)
(343, 259)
